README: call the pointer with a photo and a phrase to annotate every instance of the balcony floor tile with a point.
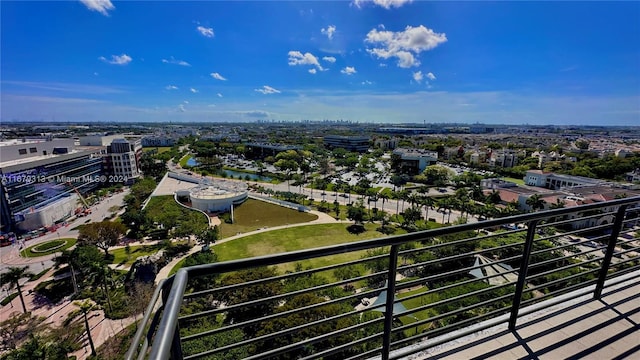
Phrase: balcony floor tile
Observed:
(582, 328)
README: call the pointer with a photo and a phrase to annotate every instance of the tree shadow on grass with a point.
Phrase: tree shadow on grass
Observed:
(356, 228)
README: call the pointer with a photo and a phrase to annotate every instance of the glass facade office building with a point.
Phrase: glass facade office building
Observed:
(38, 181)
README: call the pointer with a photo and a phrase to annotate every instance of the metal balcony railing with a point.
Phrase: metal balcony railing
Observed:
(367, 299)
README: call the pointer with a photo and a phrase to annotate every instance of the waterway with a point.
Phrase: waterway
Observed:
(229, 173)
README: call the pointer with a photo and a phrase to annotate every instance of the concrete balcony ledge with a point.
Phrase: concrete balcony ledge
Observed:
(572, 326)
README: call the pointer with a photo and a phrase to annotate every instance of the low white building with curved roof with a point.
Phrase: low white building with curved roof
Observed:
(216, 195)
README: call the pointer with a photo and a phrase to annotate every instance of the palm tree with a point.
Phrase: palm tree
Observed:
(86, 306)
(68, 257)
(384, 196)
(535, 202)
(13, 277)
(100, 272)
(559, 204)
(427, 202)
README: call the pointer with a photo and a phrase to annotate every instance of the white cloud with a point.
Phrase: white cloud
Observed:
(430, 76)
(366, 82)
(219, 95)
(175, 62)
(330, 59)
(123, 59)
(193, 90)
(349, 70)
(186, 102)
(101, 6)
(171, 87)
(387, 4)
(181, 108)
(404, 45)
(217, 76)
(96, 74)
(312, 71)
(266, 89)
(329, 31)
(417, 76)
(206, 32)
(297, 58)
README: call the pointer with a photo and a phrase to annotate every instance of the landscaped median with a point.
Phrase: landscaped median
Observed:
(48, 247)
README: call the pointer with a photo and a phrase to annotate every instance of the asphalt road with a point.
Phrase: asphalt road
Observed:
(10, 255)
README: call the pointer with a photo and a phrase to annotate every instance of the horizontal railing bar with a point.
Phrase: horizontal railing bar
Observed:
(623, 272)
(267, 260)
(564, 290)
(451, 286)
(366, 355)
(581, 217)
(281, 277)
(623, 262)
(446, 328)
(490, 323)
(266, 300)
(288, 331)
(564, 279)
(285, 313)
(312, 341)
(562, 268)
(457, 257)
(461, 241)
(342, 347)
(442, 316)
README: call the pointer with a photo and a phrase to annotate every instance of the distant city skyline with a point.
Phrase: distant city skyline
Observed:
(381, 61)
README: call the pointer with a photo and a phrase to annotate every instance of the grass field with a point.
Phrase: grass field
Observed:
(183, 161)
(162, 205)
(255, 214)
(297, 238)
(514, 180)
(160, 149)
(30, 254)
(414, 303)
(120, 256)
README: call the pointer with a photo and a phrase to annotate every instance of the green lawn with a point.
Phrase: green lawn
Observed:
(29, 253)
(160, 149)
(297, 238)
(120, 255)
(414, 303)
(256, 214)
(183, 161)
(514, 180)
(160, 206)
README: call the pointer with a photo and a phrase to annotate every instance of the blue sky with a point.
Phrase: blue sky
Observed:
(394, 61)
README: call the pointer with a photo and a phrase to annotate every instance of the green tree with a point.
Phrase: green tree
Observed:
(209, 236)
(244, 294)
(87, 306)
(102, 234)
(356, 212)
(535, 202)
(13, 277)
(410, 216)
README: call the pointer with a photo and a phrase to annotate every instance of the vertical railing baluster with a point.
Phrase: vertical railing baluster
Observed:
(391, 290)
(606, 262)
(522, 275)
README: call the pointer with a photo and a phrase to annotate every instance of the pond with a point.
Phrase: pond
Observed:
(193, 162)
(253, 177)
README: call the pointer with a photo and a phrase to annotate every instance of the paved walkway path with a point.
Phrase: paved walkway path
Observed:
(322, 219)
